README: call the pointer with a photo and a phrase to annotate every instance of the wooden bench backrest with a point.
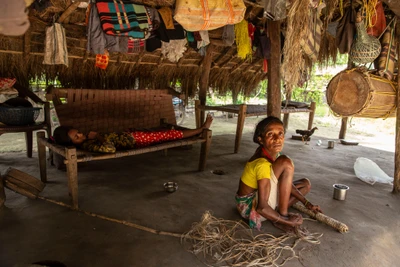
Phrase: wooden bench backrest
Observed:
(112, 110)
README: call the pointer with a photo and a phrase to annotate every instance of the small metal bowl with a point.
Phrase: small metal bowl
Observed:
(170, 187)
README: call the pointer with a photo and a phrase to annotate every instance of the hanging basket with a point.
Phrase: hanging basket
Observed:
(365, 48)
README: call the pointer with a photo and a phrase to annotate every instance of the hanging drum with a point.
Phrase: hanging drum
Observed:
(357, 93)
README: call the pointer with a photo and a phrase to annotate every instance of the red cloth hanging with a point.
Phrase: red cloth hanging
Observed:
(379, 21)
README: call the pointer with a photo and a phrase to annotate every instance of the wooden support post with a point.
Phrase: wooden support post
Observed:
(343, 128)
(42, 157)
(2, 193)
(274, 79)
(72, 174)
(28, 140)
(313, 106)
(197, 113)
(205, 75)
(205, 148)
(239, 126)
(285, 121)
(396, 176)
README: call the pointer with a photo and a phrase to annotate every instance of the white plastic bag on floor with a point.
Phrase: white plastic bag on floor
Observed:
(369, 172)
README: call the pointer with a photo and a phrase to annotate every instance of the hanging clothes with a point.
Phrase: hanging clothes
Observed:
(55, 51)
(14, 19)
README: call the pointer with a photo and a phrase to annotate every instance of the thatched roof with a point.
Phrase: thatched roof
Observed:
(22, 58)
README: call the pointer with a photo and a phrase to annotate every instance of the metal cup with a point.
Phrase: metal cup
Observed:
(340, 191)
(331, 144)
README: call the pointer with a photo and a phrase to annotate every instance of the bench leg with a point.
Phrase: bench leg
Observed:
(313, 106)
(72, 174)
(28, 140)
(205, 148)
(42, 157)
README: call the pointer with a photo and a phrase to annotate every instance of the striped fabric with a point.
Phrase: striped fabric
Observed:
(55, 51)
(200, 15)
(123, 18)
(312, 42)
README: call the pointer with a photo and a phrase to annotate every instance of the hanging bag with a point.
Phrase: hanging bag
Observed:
(55, 51)
(200, 15)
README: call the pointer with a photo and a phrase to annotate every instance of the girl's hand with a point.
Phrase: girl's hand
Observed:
(314, 208)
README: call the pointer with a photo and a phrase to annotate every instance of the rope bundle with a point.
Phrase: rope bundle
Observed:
(232, 243)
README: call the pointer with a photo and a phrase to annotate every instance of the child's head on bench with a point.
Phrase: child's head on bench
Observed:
(66, 136)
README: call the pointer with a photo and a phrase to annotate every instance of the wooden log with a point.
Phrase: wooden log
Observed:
(24, 180)
(239, 126)
(274, 79)
(396, 176)
(2, 193)
(19, 190)
(341, 227)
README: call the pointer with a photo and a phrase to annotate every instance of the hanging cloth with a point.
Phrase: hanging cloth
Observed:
(14, 19)
(132, 22)
(378, 20)
(55, 51)
(346, 30)
(243, 41)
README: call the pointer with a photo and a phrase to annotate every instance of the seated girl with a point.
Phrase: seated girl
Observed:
(266, 188)
(111, 142)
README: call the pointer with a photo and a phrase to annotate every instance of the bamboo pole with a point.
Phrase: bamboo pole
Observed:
(396, 176)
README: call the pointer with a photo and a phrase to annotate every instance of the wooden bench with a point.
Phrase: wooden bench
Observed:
(246, 110)
(108, 111)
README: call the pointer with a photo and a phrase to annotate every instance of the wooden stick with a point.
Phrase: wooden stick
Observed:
(134, 225)
(341, 227)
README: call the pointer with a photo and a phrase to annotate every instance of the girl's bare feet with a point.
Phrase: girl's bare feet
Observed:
(207, 123)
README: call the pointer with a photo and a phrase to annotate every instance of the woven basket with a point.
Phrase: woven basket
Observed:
(18, 116)
(365, 48)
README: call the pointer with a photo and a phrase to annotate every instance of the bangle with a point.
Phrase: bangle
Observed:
(305, 204)
(279, 216)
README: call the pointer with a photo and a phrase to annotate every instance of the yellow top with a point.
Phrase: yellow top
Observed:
(256, 170)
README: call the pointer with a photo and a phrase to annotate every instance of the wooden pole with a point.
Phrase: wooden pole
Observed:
(343, 128)
(396, 182)
(239, 126)
(274, 77)
(205, 75)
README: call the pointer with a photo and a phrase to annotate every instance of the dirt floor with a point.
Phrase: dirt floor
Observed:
(131, 189)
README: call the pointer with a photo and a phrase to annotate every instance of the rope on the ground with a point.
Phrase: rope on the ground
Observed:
(232, 243)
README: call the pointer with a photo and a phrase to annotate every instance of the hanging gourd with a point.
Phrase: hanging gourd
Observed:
(365, 48)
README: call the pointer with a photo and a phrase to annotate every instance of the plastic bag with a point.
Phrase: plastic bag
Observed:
(368, 171)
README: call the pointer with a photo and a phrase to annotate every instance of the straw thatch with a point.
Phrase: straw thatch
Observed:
(22, 56)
